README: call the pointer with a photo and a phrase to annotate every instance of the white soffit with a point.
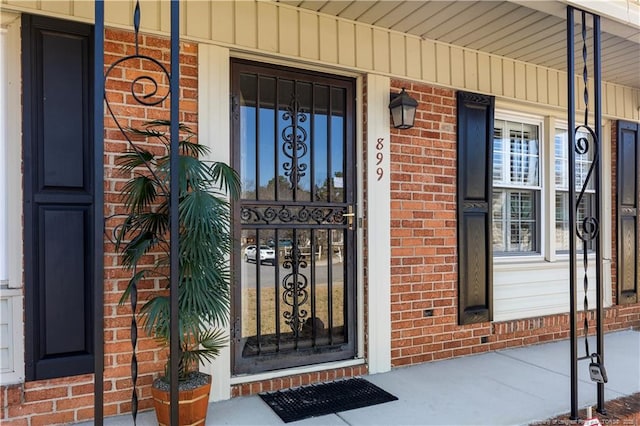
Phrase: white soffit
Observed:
(527, 30)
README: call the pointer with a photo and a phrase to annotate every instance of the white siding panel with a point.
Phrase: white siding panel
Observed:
(347, 43)
(443, 64)
(542, 85)
(122, 13)
(164, 15)
(380, 50)
(328, 39)
(496, 76)
(429, 60)
(520, 75)
(364, 49)
(609, 99)
(471, 70)
(397, 54)
(267, 27)
(508, 78)
(552, 87)
(531, 82)
(198, 16)
(62, 7)
(628, 97)
(288, 31)
(222, 21)
(484, 73)
(246, 23)
(564, 90)
(83, 9)
(309, 43)
(457, 66)
(620, 101)
(414, 69)
(6, 355)
(535, 289)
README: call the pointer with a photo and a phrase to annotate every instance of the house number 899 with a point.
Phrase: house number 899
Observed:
(379, 157)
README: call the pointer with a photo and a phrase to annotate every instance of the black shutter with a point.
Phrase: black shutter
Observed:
(475, 136)
(58, 196)
(628, 164)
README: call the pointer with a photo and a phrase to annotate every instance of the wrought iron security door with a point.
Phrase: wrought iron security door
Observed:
(294, 302)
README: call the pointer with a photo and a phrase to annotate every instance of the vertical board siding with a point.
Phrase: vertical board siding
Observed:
(520, 80)
(59, 7)
(542, 85)
(380, 50)
(279, 28)
(496, 76)
(245, 24)
(288, 30)
(457, 66)
(347, 44)
(221, 21)
(413, 60)
(309, 43)
(508, 79)
(552, 87)
(484, 73)
(471, 70)
(531, 83)
(328, 39)
(267, 27)
(397, 54)
(429, 70)
(197, 27)
(443, 64)
(364, 50)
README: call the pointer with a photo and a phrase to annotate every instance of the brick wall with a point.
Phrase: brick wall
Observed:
(423, 244)
(70, 399)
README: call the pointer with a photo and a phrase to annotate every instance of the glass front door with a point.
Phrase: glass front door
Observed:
(294, 301)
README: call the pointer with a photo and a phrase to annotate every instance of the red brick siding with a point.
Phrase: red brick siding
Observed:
(297, 380)
(71, 399)
(423, 248)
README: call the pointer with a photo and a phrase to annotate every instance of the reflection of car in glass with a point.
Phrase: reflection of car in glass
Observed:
(267, 254)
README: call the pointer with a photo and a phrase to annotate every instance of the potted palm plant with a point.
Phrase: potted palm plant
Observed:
(204, 248)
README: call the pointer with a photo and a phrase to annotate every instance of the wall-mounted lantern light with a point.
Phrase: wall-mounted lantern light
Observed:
(403, 110)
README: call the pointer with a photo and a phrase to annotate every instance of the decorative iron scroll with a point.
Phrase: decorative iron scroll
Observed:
(149, 89)
(288, 214)
(295, 292)
(590, 227)
(294, 142)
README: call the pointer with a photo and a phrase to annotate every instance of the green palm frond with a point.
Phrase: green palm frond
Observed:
(204, 238)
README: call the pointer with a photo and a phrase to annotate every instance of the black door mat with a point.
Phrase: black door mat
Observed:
(325, 398)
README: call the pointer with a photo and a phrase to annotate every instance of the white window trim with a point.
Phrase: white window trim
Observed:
(11, 164)
(535, 285)
(501, 114)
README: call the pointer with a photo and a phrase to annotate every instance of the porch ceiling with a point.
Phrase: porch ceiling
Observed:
(531, 31)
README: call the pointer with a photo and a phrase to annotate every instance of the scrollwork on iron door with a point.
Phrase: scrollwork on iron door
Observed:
(295, 292)
(267, 215)
(294, 144)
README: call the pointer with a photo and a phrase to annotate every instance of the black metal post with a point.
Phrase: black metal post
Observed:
(98, 212)
(597, 87)
(572, 213)
(174, 88)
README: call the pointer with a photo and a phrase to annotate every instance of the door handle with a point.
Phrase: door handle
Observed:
(350, 216)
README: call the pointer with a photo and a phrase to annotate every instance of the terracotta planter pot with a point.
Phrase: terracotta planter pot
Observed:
(192, 403)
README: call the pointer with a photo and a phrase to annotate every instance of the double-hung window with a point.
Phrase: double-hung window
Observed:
(516, 187)
(583, 161)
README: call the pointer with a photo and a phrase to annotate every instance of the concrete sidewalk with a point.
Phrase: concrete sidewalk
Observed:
(509, 387)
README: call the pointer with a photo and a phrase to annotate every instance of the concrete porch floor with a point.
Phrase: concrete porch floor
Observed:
(509, 387)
